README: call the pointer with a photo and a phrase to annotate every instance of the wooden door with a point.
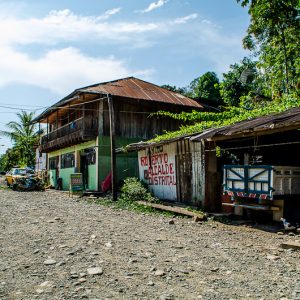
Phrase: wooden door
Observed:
(184, 177)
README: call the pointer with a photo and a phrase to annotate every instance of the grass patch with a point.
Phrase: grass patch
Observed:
(123, 204)
(132, 191)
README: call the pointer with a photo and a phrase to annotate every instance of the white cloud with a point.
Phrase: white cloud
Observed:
(185, 19)
(64, 25)
(109, 13)
(61, 70)
(65, 68)
(154, 5)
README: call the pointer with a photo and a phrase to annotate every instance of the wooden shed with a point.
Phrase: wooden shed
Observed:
(259, 165)
(174, 170)
(188, 169)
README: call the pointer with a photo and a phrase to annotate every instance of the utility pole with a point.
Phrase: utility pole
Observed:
(112, 146)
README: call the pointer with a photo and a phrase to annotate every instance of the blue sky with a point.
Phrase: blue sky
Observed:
(50, 48)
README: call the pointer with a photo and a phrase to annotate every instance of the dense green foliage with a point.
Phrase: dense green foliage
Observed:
(267, 83)
(9, 159)
(134, 190)
(242, 80)
(274, 68)
(206, 120)
(175, 89)
(24, 138)
(123, 204)
(273, 35)
(205, 87)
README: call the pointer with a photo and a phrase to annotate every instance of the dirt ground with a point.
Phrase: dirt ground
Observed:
(56, 247)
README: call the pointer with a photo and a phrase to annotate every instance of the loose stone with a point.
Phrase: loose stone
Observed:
(273, 257)
(95, 271)
(159, 273)
(49, 262)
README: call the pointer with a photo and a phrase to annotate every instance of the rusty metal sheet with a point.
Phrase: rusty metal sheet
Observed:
(130, 87)
(138, 89)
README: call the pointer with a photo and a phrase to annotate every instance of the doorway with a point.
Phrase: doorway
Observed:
(84, 170)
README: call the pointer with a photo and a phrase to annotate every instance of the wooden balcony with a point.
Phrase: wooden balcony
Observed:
(78, 131)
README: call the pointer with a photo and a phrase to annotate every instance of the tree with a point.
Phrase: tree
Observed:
(10, 159)
(24, 138)
(174, 88)
(243, 79)
(273, 34)
(206, 87)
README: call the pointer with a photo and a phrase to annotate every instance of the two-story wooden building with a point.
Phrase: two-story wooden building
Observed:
(78, 134)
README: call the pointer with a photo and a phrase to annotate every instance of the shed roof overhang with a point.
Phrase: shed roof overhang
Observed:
(143, 145)
(70, 103)
(274, 123)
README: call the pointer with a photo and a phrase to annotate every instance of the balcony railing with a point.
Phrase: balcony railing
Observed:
(78, 130)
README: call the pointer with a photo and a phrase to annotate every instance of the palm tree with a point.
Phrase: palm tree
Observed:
(23, 136)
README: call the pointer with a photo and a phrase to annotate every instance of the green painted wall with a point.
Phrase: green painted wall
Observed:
(52, 174)
(73, 148)
(127, 163)
(92, 177)
(65, 173)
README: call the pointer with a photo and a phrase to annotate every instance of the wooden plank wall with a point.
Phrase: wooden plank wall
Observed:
(184, 171)
(132, 118)
(198, 173)
(213, 180)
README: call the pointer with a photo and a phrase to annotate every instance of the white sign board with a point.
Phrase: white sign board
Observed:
(158, 169)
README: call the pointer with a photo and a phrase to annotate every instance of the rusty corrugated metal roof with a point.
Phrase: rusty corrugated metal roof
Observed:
(271, 122)
(135, 88)
(146, 144)
(130, 87)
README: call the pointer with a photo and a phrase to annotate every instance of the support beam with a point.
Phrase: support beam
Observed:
(112, 147)
(56, 123)
(69, 118)
(47, 129)
(83, 113)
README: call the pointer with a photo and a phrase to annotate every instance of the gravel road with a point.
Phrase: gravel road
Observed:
(56, 247)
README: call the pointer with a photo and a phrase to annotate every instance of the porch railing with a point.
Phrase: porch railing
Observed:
(87, 126)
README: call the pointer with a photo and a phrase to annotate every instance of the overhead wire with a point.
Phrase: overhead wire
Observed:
(19, 108)
(26, 105)
(72, 107)
(254, 146)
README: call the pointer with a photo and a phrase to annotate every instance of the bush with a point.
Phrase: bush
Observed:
(134, 190)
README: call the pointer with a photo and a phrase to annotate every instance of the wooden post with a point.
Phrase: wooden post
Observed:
(112, 146)
(39, 148)
(47, 130)
(56, 129)
(69, 119)
(212, 179)
(84, 119)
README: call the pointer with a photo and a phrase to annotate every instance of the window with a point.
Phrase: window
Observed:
(53, 162)
(68, 160)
